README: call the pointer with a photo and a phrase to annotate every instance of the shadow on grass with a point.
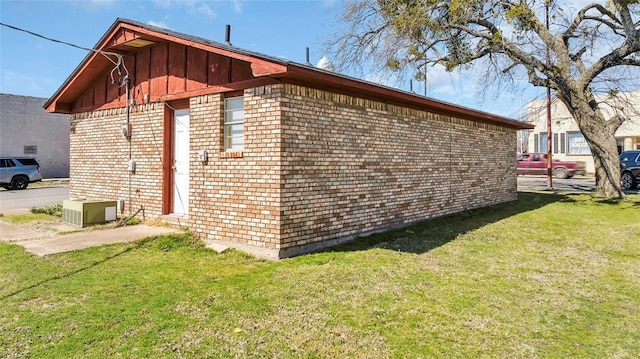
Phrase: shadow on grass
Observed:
(94, 264)
(424, 236)
(164, 243)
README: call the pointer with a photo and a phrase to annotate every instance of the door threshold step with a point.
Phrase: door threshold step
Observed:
(177, 219)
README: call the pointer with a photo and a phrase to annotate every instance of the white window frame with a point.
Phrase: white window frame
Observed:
(583, 147)
(233, 119)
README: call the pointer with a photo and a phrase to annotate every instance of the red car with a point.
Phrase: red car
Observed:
(536, 164)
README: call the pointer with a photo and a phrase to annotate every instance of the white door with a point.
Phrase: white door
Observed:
(181, 162)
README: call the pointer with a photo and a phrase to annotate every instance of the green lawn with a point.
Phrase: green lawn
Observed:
(549, 276)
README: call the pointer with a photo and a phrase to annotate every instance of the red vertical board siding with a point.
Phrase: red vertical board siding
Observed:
(77, 103)
(130, 65)
(112, 89)
(100, 94)
(219, 67)
(120, 38)
(158, 81)
(240, 71)
(141, 86)
(117, 38)
(177, 61)
(123, 36)
(196, 69)
(87, 98)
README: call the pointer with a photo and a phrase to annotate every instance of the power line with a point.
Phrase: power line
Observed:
(117, 63)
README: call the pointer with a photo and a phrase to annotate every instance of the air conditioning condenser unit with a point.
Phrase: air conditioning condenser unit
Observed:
(86, 212)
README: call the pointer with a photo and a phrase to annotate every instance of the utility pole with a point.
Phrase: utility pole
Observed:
(425, 79)
(549, 142)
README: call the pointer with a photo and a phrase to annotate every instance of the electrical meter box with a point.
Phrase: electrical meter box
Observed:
(86, 212)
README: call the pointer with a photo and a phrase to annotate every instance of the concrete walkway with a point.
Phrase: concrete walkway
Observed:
(42, 242)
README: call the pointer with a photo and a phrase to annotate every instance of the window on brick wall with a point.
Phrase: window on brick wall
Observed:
(234, 124)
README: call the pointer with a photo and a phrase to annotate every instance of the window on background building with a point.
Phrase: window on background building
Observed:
(30, 149)
(577, 144)
(543, 142)
(563, 143)
(555, 143)
(234, 124)
(620, 143)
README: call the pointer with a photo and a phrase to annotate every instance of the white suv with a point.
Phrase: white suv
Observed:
(17, 173)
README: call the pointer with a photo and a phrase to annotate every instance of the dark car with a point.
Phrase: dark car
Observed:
(630, 169)
(17, 173)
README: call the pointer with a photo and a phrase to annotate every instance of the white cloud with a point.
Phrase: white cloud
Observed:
(16, 83)
(162, 3)
(158, 24)
(175, 3)
(237, 6)
(101, 3)
(384, 78)
(328, 3)
(94, 6)
(441, 82)
(202, 9)
(191, 7)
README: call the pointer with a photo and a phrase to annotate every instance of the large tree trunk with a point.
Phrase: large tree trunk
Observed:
(600, 136)
(604, 149)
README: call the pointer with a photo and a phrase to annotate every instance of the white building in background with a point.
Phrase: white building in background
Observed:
(26, 130)
(567, 142)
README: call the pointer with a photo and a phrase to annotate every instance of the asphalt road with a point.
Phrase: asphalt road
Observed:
(574, 184)
(33, 197)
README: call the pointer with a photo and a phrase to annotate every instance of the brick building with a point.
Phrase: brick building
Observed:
(270, 155)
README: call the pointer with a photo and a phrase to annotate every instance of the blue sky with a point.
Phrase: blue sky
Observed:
(33, 66)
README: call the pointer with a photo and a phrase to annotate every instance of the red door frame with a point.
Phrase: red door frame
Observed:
(168, 154)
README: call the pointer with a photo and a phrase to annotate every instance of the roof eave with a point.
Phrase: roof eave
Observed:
(261, 66)
(51, 105)
(387, 94)
(264, 66)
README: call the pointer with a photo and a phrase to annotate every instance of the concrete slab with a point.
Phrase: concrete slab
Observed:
(75, 241)
(221, 246)
(218, 247)
(14, 233)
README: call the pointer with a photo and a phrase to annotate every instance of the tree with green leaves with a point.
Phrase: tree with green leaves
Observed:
(577, 53)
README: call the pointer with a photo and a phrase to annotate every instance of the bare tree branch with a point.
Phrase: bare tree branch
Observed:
(615, 122)
(408, 35)
(582, 16)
